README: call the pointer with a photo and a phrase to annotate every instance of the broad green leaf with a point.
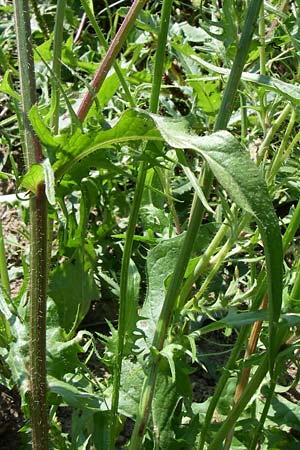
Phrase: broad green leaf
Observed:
(33, 178)
(131, 127)
(229, 163)
(132, 379)
(73, 396)
(161, 261)
(164, 403)
(17, 357)
(72, 287)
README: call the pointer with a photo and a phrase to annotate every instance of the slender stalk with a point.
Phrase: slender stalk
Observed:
(248, 393)
(244, 378)
(271, 133)
(278, 158)
(159, 65)
(38, 239)
(195, 221)
(110, 57)
(221, 384)
(262, 63)
(56, 65)
(264, 414)
(291, 229)
(3, 263)
(123, 296)
(5, 284)
(91, 17)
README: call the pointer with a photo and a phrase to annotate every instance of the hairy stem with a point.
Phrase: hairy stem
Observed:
(38, 239)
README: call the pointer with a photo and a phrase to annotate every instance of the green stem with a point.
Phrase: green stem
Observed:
(5, 284)
(238, 65)
(278, 158)
(263, 416)
(123, 296)
(38, 239)
(159, 62)
(295, 294)
(238, 408)
(56, 66)
(195, 221)
(291, 229)
(3, 264)
(110, 57)
(271, 133)
(221, 384)
(262, 63)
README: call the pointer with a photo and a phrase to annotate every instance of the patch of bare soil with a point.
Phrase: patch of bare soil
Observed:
(11, 419)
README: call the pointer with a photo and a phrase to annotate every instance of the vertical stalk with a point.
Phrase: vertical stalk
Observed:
(195, 221)
(3, 264)
(56, 65)
(110, 56)
(241, 404)
(38, 239)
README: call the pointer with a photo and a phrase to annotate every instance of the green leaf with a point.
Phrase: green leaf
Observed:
(229, 163)
(227, 160)
(287, 90)
(6, 87)
(72, 287)
(131, 127)
(164, 404)
(49, 181)
(161, 261)
(33, 178)
(40, 128)
(73, 396)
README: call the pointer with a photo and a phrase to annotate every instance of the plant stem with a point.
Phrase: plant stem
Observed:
(103, 42)
(264, 414)
(271, 133)
(248, 393)
(3, 263)
(291, 229)
(159, 65)
(195, 221)
(251, 347)
(221, 384)
(38, 238)
(278, 157)
(110, 57)
(56, 66)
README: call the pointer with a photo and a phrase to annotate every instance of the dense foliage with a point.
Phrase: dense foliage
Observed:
(165, 217)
